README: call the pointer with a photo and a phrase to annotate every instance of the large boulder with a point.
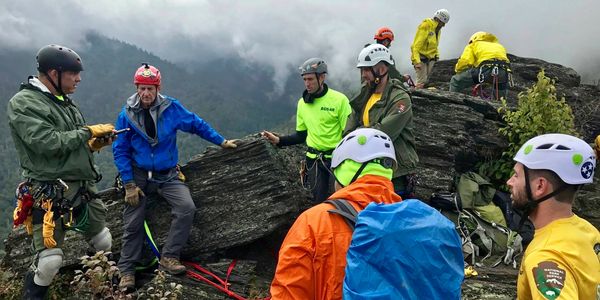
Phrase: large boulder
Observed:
(583, 98)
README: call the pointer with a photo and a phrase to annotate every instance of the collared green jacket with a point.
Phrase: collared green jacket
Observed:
(393, 115)
(49, 135)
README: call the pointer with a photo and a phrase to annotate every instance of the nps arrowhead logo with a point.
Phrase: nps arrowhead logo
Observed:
(549, 279)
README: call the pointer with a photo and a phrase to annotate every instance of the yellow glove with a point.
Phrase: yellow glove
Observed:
(180, 174)
(101, 130)
(98, 143)
(132, 194)
(597, 147)
(470, 272)
(228, 144)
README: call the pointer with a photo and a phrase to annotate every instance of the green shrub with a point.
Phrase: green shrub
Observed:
(160, 289)
(98, 277)
(538, 112)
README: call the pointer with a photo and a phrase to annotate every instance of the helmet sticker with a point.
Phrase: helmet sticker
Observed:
(528, 149)
(147, 73)
(587, 170)
(577, 159)
(362, 140)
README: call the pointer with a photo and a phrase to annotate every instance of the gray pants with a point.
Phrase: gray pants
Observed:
(464, 80)
(183, 209)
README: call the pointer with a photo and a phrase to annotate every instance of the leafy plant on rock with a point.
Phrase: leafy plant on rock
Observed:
(538, 112)
(98, 276)
(160, 289)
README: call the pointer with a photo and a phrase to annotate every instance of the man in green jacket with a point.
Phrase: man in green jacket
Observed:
(384, 104)
(424, 49)
(55, 148)
(320, 120)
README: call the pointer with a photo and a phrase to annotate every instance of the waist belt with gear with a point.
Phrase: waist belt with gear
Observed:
(314, 153)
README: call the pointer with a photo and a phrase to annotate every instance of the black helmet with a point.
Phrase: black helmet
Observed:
(58, 58)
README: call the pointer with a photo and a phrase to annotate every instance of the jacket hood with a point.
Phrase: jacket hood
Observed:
(35, 82)
(367, 189)
(483, 36)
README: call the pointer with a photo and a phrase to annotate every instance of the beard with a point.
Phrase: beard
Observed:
(519, 199)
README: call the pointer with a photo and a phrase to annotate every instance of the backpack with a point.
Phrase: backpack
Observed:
(405, 250)
(485, 220)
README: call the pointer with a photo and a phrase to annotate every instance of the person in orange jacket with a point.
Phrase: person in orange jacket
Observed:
(312, 257)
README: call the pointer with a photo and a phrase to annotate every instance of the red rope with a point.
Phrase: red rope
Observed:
(222, 285)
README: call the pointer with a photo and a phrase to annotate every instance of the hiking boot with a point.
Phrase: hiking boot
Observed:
(172, 265)
(32, 291)
(127, 282)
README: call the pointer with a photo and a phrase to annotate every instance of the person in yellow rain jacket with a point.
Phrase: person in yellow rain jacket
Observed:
(483, 57)
(424, 49)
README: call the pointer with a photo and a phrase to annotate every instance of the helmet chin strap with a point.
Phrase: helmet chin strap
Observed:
(59, 87)
(532, 204)
(377, 77)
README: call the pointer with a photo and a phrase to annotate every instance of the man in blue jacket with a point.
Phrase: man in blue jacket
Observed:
(146, 157)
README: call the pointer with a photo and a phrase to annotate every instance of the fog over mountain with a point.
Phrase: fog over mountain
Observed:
(282, 34)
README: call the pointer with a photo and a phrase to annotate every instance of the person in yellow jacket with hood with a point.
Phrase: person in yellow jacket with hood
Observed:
(424, 49)
(483, 57)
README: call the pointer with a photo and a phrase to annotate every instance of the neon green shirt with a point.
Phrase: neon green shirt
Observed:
(324, 119)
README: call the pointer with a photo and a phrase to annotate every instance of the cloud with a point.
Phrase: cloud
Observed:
(283, 34)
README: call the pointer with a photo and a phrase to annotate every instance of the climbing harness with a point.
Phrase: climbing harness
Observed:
(492, 69)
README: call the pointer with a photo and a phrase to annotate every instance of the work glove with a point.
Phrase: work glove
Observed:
(597, 147)
(98, 143)
(228, 144)
(101, 130)
(132, 194)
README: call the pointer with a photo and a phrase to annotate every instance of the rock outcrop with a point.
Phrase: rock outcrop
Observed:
(248, 197)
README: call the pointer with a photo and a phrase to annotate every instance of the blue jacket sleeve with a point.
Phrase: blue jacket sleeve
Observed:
(190, 122)
(122, 151)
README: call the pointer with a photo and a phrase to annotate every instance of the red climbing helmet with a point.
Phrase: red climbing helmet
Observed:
(147, 74)
(384, 33)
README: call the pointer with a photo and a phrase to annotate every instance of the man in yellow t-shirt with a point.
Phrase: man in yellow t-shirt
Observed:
(562, 261)
(321, 117)
(384, 104)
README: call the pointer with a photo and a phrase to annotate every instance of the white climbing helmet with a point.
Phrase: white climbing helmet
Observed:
(363, 145)
(572, 159)
(442, 15)
(372, 54)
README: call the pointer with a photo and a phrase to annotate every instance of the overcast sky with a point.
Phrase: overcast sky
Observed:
(284, 33)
